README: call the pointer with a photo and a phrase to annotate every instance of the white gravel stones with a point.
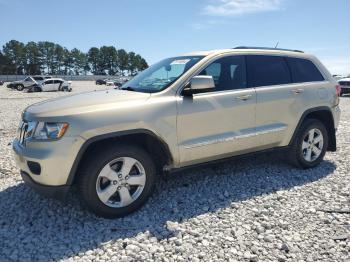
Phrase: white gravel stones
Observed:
(254, 209)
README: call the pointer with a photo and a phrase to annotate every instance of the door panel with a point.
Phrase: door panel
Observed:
(276, 111)
(214, 124)
(277, 96)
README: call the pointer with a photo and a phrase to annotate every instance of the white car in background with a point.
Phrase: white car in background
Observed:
(52, 84)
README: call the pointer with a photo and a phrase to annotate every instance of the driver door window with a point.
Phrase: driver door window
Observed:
(229, 73)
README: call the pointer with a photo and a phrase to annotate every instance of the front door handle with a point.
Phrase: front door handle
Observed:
(298, 91)
(244, 97)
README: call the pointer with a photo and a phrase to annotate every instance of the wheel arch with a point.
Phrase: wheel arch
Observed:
(144, 138)
(323, 114)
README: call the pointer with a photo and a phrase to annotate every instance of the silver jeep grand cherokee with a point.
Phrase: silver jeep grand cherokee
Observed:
(185, 110)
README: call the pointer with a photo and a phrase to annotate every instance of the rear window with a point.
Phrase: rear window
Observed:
(38, 78)
(303, 70)
(267, 70)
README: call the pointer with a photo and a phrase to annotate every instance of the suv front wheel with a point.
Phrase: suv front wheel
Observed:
(117, 180)
(310, 144)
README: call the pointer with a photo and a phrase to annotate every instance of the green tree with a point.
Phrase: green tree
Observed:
(47, 56)
(33, 61)
(123, 59)
(58, 62)
(93, 58)
(79, 61)
(67, 62)
(15, 51)
(108, 58)
(6, 65)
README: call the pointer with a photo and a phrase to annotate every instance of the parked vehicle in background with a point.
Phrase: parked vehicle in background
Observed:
(344, 86)
(180, 112)
(100, 81)
(52, 84)
(337, 77)
(27, 82)
(1, 82)
(109, 82)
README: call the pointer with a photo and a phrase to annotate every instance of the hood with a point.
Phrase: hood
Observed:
(85, 102)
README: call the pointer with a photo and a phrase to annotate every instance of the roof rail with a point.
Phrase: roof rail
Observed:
(267, 48)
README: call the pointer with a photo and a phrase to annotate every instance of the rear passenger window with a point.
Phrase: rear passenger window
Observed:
(303, 70)
(228, 73)
(267, 70)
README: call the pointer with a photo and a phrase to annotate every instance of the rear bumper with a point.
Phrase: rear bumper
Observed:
(57, 192)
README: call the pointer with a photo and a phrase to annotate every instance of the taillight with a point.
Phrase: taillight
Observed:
(338, 91)
(338, 88)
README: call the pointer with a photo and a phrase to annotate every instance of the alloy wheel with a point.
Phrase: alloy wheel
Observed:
(121, 182)
(312, 145)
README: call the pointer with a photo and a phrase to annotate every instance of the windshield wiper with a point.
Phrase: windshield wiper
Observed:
(128, 88)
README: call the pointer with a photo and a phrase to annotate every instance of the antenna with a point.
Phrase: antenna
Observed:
(277, 44)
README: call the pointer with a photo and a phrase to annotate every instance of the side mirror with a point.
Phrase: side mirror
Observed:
(199, 84)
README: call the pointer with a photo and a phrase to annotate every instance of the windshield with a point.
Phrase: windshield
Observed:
(162, 74)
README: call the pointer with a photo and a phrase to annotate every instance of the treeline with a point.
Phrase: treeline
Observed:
(50, 58)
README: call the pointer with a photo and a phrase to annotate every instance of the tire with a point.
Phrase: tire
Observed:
(299, 154)
(97, 190)
(20, 87)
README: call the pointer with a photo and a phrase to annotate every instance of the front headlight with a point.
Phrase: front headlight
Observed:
(47, 131)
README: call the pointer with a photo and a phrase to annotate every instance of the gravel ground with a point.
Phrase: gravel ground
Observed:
(257, 209)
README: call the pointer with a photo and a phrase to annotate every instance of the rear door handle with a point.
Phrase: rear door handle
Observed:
(298, 91)
(244, 97)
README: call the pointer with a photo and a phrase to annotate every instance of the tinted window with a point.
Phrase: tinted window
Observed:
(228, 73)
(267, 70)
(49, 82)
(303, 70)
(38, 78)
(57, 81)
(28, 79)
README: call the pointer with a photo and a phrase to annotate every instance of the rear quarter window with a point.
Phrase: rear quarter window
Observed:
(303, 70)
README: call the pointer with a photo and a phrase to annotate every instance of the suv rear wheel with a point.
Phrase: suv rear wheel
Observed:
(310, 144)
(117, 181)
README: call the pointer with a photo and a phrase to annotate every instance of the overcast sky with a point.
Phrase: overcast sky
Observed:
(162, 28)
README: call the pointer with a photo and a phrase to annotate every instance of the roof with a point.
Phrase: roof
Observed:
(247, 49)
(344, 79)
(61, 79)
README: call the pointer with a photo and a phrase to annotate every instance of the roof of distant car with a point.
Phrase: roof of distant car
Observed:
(61, 79)
(344, 79)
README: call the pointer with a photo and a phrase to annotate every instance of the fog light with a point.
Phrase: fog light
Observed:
(34, 167)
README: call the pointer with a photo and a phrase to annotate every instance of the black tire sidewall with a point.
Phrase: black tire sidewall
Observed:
(88, 183)
(310, 124)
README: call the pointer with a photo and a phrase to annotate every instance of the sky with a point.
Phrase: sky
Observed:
(162, 28)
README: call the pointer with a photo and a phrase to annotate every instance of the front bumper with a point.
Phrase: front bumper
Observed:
(345, 90)
(53, 159)
(57, 192)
